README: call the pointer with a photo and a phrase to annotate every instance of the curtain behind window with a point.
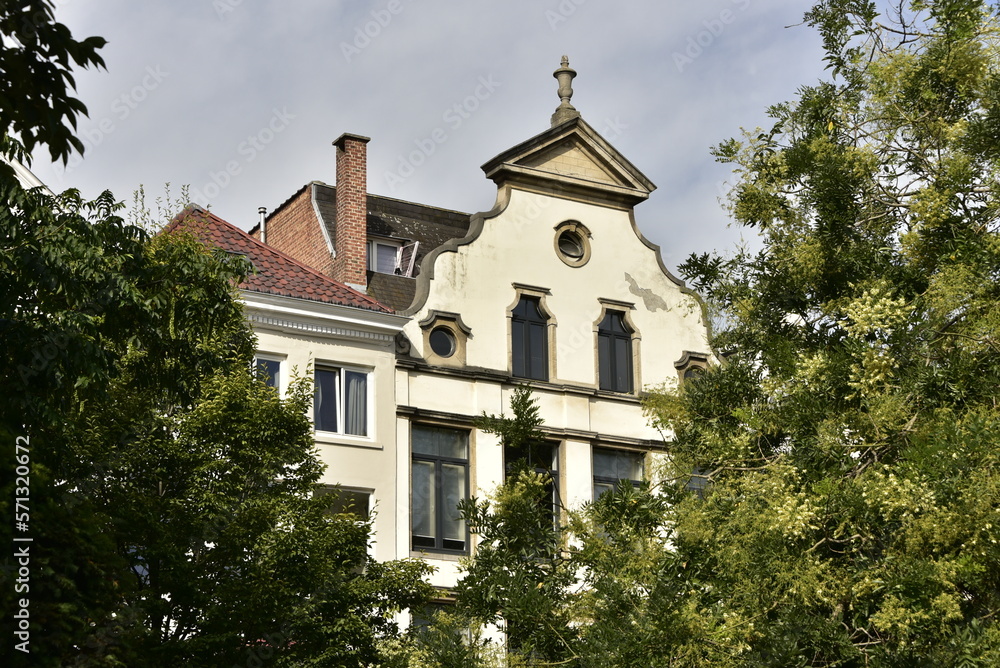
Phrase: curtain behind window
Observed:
(356, 409)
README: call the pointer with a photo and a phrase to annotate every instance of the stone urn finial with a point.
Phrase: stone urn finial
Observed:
(565, 111)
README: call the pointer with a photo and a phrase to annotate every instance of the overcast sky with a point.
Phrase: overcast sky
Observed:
(241, 99)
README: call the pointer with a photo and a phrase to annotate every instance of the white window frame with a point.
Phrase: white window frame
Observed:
(271, 357)
(342, 370)
(373, 245)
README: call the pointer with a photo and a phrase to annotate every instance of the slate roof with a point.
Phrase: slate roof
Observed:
(276, 273)
(393, 219)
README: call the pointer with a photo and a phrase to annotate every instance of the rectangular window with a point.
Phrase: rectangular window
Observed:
(699, 482)
(383, 256)
(440, 470)
(614, 353)
(347, 501)
(340, 403)
(529, 340)
(541, 458)
(611, 466)
(268, 370)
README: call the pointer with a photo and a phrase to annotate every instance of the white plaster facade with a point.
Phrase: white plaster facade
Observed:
(567, 175)
(302, 334)
(566, 184)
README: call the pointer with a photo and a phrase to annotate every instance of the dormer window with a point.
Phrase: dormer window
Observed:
(382, 254)
(445, 338)
(392, 256)
(691, 365)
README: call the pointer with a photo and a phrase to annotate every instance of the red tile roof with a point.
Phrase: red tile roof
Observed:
(276, 273)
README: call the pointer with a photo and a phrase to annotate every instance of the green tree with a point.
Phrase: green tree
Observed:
(170, 490)
(168, 493)
(577, 592)
(36, 59)
(850, 434)
(520, 575)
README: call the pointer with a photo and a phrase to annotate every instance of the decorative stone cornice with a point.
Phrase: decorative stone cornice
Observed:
(318, 329)
(319, 319)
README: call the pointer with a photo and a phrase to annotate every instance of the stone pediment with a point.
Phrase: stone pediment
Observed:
(571, 159)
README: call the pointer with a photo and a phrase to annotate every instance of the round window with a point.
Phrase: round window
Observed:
(442, 342)
(693, 372)
(571, 243)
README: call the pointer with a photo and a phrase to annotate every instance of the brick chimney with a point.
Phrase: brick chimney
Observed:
(350, 264)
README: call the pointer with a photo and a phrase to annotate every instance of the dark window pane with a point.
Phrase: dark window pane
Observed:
(440, 473)
(614, 354)
(385, 258)
(268, 371)
(601, 488)
(442, 342)
(518, 352)
(604, 361)
(693, 372)
(571, 245)
(610, 466)
(623, 365)
(604, 464)
(529, 344)
(538, 354)
(453, 484)
(440, 441)
(325, 399)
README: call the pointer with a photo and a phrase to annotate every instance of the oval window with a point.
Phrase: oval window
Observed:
(442, 342)
(571, 244)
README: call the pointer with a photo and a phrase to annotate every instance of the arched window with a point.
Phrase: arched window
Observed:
(529, 340)
(614, 353)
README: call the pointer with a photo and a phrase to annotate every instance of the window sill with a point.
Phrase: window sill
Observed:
(440, 556)
(333, 438)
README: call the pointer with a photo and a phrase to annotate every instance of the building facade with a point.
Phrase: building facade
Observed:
(554, 286)
(310, 326)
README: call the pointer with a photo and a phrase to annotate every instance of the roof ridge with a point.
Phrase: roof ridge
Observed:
(395, 199)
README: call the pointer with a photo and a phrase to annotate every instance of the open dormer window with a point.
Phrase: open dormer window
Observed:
(382, 254)
(392, 256)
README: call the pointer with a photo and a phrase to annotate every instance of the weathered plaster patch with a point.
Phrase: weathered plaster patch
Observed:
(650, 299)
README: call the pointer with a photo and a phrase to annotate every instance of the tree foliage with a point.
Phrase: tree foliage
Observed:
(37, 54)
(850, 433)
(171, 490)
(168, 497)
